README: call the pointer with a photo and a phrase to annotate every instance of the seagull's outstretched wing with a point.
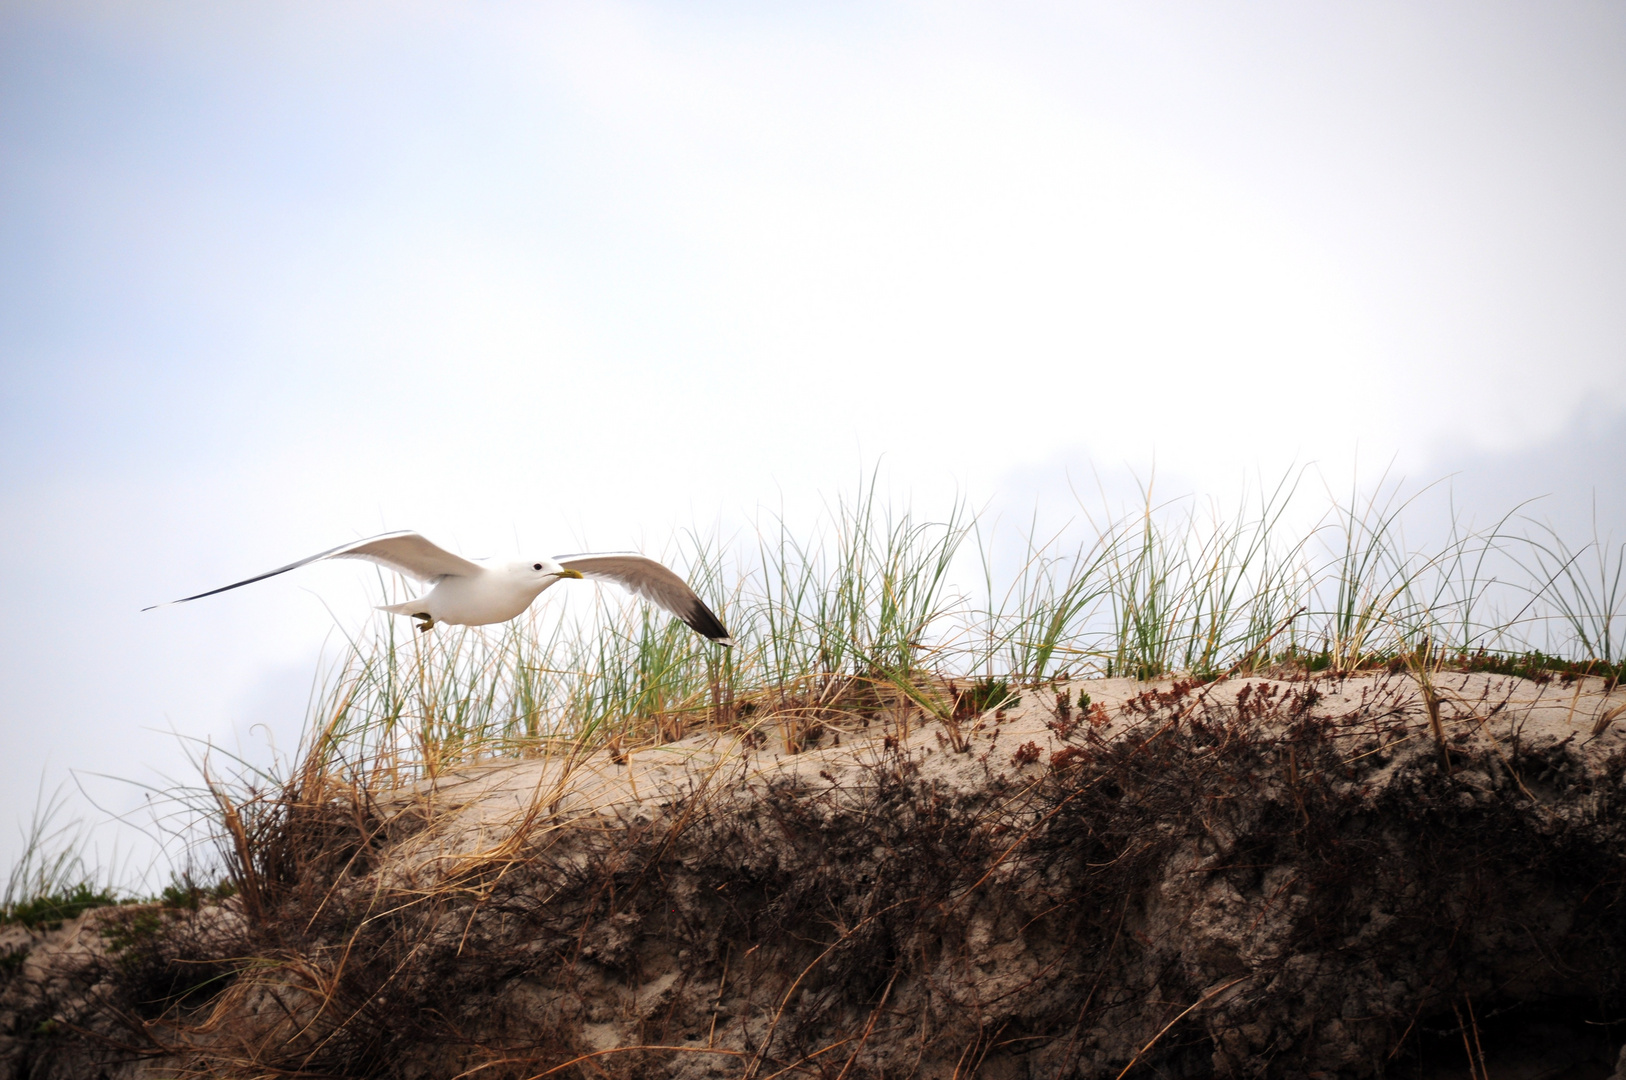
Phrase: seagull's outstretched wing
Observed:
(404, 552)
(655, 583)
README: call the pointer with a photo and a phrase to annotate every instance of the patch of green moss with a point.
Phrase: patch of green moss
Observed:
(185, 893)
(50, 912)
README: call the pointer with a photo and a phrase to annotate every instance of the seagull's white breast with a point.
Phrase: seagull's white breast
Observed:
(492, 596)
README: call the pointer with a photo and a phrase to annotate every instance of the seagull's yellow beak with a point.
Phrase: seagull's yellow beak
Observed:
(577, 574)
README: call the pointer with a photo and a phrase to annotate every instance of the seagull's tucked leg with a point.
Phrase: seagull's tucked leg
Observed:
(413, 609)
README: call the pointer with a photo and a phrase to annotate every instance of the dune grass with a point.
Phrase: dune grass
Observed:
(866, 609)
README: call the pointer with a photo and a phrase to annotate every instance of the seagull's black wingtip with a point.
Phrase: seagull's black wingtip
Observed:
(707, 625)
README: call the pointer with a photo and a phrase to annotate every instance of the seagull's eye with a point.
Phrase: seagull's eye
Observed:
(538, 566)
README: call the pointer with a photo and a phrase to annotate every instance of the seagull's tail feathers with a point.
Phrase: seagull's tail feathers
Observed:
(411, 607)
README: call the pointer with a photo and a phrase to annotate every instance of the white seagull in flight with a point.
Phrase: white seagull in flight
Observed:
(465, 593)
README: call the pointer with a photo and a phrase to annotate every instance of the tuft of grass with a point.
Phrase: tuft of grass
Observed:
(53, 881)
(1425, 665)
(1585, 589)
(1193, 594)
(985, 694)
(1369, 578)
(183, 893)
(1032, 630)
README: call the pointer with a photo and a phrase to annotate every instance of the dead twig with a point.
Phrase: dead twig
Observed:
(1165, 1029)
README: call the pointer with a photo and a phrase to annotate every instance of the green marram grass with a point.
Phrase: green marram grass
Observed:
(867, 607)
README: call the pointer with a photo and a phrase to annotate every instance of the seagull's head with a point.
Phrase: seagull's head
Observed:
(546, 571)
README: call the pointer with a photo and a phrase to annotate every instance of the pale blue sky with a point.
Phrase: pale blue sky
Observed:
(273, 276)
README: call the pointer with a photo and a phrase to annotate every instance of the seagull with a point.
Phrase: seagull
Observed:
(465, 593)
